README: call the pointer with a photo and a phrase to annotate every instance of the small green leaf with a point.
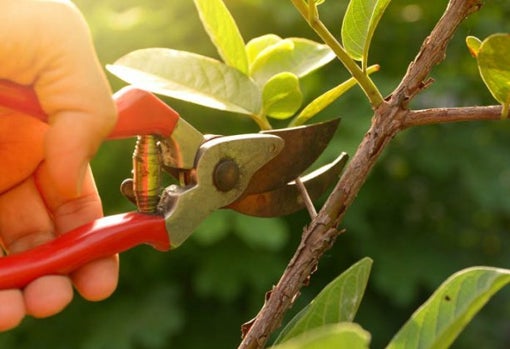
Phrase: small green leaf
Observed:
(343, 335)
(337, 302)
(294, 55)
(444, 315)
(494, 66)
(256, 45)
(359, 24)
(224, 33)
(473, 44)
(281, 96)
(190, 77)
(324, 100)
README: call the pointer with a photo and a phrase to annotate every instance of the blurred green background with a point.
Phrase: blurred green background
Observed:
(435, 203)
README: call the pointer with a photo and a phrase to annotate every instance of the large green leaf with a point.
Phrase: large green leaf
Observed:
(494, 65)
(337, 336)
(282, 96)
(444, 315)
(295, 55)
(190, 77)
(358, 26)
(224, 33)
(337, 302)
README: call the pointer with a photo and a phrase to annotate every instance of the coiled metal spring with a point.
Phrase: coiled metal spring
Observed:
(146, 174)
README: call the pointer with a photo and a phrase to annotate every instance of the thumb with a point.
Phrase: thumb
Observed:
(71, 141)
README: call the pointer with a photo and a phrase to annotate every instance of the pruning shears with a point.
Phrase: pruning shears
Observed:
(250, 173)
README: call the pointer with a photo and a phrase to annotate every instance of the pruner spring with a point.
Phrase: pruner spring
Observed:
(144, 188)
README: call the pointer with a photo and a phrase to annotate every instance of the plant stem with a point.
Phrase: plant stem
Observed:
(262, 122)
(449, 115)
(306, 198)
(324, 100)
(368, 86)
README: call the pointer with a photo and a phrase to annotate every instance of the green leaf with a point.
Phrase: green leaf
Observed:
(473, 44)
(224, 33)
(190, 77)
(281, 96)
(343, 335)
(444, 315)
(358, 27)
(494, 66)
(324, 100)
(294, 55)
(337, 302)
(256, 45)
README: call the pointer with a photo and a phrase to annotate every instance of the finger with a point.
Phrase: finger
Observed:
(70, 144)
(75, 93)
(24, 223)
(48, 295)
(12, 310)
(24, 220)
(96, 280)
(21, 147)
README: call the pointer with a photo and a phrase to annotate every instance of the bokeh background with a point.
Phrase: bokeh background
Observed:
(437, 201)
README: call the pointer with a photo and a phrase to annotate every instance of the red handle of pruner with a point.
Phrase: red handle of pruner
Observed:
(139, 112)
(100, 238)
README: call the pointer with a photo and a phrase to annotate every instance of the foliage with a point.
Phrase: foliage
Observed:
(439, 321)
(338, 302)
(436, 203)
(345, 335)
(494, 65)
(259, 79)
(359, 24)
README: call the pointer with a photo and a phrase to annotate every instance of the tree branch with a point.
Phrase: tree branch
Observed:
(389, 118)
(447, 115)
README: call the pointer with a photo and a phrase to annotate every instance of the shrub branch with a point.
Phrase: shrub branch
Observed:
(389, 118)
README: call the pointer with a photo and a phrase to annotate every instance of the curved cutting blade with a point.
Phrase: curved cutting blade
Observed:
(287, 199)
(303, 145)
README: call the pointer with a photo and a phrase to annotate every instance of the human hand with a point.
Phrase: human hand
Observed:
(46, 187)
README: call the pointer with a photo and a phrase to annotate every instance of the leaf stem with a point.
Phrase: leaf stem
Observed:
(504, 111)
(324, 100)
(262, 121)
(368, 86)
(313, 14)
(306, 198)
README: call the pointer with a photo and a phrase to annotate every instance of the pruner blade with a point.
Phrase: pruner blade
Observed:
(303, 145)
(288, 199)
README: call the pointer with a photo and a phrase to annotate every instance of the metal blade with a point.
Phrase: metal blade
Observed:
(303, 145)
(287, 199)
